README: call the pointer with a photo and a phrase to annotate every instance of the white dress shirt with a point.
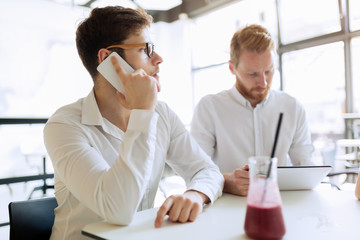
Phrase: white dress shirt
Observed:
(102, 172)
(230, 130)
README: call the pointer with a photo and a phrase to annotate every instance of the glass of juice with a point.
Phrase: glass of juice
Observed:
(264, 218)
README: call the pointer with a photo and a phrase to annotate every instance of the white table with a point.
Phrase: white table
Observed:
(316, 214)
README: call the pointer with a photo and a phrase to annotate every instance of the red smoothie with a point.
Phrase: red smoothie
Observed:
(264, 222)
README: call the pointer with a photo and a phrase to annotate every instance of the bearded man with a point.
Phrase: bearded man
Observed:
(238, 123)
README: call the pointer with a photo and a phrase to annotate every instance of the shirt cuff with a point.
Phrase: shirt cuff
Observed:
(206, 191)
(143, 120)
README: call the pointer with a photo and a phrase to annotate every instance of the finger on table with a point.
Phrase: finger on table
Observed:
(163, 211)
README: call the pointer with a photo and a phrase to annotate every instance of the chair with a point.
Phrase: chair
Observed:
(329, 158)
(32, 219)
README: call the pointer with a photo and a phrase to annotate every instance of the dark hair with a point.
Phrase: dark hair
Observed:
(104, 27)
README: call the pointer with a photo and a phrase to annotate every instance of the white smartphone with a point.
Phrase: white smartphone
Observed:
(108, 71)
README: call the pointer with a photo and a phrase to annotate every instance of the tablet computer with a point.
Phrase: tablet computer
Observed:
(301, 177)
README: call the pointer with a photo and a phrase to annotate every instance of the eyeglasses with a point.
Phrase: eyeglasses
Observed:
(149, 47)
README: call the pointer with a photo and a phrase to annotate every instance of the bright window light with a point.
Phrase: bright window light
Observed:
(158, 4)
(104, 3)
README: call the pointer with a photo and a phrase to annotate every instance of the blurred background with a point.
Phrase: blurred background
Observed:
(318, 62)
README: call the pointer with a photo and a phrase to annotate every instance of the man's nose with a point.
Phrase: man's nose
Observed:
(156, 58)
(261, 80)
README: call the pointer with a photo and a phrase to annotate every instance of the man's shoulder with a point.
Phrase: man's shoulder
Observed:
(216, 97)
(164, 110)
(161, 107)
(68, 113)
(281, 95)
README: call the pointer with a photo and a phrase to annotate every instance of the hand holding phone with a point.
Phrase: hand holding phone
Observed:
(108, 71)
(140, 95)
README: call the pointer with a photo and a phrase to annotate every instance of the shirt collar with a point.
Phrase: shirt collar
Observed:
(90, 111)
(243, 101)
(91, 115)
(239, 98)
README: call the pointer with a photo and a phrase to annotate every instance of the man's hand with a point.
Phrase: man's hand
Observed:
(140, 88)
(181, 208)
(237, 182)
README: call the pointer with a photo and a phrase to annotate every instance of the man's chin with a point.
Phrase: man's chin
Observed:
(260, 97)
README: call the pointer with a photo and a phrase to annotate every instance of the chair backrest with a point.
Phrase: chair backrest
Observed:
(32, 219)
(328, 155)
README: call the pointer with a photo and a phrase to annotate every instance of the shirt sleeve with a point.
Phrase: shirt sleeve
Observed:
(301, 149)
(202, 127)
(187, 159)
(113, 192)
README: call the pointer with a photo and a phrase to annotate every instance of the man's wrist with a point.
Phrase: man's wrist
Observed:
(227, 183)
(202, 197)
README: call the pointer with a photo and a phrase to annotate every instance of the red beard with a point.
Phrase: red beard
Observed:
(252, 94)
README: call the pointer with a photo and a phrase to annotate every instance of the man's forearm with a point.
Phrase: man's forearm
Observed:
(227, 183)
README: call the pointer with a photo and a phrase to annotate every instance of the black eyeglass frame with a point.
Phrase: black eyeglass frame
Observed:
(149, 47)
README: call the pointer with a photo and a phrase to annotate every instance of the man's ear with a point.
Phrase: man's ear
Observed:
(102, 54)
(231, 67)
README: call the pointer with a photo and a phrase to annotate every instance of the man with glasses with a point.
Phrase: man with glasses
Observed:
(149, 47)
(109, 149)
(238, 123)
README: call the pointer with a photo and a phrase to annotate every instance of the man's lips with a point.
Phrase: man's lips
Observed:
(156, 76)
(260, 90)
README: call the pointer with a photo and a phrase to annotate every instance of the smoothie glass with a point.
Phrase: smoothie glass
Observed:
(264, 218)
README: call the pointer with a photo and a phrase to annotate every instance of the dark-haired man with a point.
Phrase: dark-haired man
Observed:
(109, 149)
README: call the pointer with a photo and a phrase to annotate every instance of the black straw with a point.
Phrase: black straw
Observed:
(275, 142)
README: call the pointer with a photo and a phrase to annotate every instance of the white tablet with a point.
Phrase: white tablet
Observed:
(301, 177)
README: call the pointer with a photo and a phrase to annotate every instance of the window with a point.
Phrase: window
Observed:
(315, 57)
(305, 19)
(40, 71)
(355, 54)
(354, 14)
(39, 59)
(315, 76)
(212, 33)
(212, 80)
(211, 42)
